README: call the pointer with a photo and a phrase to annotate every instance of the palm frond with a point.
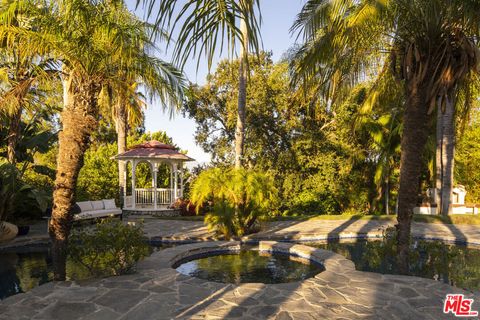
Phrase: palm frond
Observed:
(205, 27)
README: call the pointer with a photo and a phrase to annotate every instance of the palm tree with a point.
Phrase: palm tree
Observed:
(158, 78)
(431, 49)
(117, 47)
(125, 99)
(23, 76)
(92, 40)
(449, 112)
(206, 25)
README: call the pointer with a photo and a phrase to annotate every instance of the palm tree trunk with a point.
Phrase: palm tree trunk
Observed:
(387, 194)
(444, 158)
(438, 160)
(413, 142)
(78, 120)
(242, 98)
(13, 135)
(448, 153)
(121, 127)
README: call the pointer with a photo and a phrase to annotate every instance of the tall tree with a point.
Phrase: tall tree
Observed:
(23, 76)
(123, 35)
(155, 77)
(206, 25)
(92, 40)
(454, 110)
(431, 49)
(159, 79)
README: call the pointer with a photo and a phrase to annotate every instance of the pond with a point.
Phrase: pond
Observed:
(25, 269)
(456, 265)
(250, 266)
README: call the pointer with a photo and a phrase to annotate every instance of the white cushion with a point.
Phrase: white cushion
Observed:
(97, 214)
(97, 205)
(85, 206)
(109, 204)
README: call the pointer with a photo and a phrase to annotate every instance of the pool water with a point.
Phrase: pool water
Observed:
(456, 265)
(25, 270)
(250, 266)
(20, 272)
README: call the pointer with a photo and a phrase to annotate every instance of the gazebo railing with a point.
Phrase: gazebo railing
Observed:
(146, 197)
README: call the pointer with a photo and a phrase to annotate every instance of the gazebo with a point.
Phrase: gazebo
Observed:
(155, 154)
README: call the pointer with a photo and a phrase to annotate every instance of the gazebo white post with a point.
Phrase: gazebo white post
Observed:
(172, 196)
(134, 168)
(181, 180)
(155, 170)
(175, 187)
(125, 185)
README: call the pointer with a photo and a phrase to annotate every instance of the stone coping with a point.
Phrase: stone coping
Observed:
(171, 257)
(328, 259)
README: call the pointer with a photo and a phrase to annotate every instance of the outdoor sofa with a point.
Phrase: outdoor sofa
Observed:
(85, 210)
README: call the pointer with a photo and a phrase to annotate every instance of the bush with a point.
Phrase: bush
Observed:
(18, 199)
(234, 199)
(110, 248)
(186, 208)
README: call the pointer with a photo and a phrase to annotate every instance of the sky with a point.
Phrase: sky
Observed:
(277, 18)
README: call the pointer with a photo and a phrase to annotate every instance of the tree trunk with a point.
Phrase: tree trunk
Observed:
(444, 158)
(242, 98)
(13, 135)
(438, 159)
(121, 127)
(448, 153)
(413, 142)
(387, 195)
(78, 120)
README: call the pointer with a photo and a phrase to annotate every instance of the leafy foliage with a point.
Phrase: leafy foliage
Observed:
(111, 248)
(324, 160)
(205, 26)
(236, 198)
(16, 197)
(467, 158)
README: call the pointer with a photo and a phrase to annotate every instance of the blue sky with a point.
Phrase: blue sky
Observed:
(278, 16)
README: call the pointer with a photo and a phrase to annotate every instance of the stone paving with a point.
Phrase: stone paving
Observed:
(157, 291)
(158, 230)
(331, 229)
(162, 230)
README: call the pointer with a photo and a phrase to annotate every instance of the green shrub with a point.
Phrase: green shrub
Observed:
(109, 248)
(234, 199)
(17, 198)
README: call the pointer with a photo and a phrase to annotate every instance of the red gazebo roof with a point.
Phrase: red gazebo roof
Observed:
(153, 150)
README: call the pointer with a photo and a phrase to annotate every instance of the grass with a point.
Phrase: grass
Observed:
(453, 219)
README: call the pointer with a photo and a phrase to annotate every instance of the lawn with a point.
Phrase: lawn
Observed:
(453, 219)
